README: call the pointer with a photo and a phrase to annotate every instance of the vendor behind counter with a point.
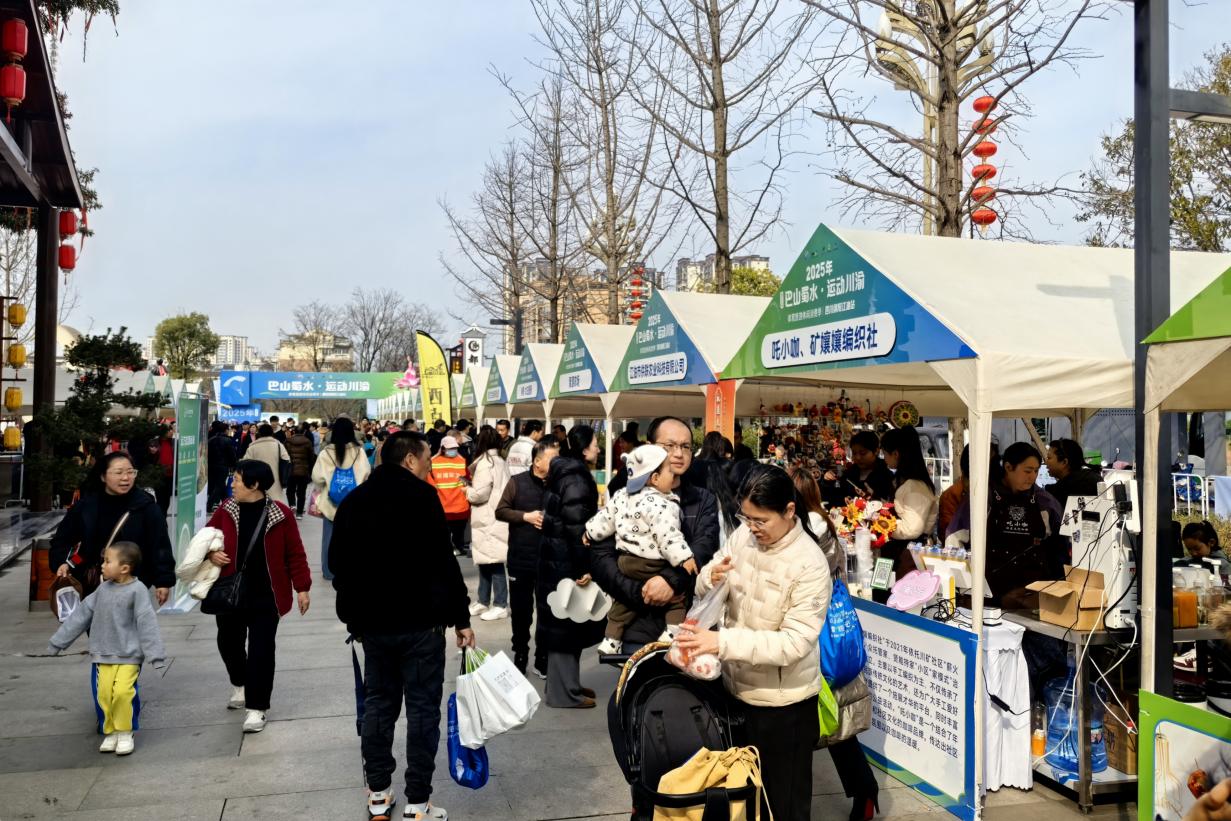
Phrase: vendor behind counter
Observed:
(1022, 523)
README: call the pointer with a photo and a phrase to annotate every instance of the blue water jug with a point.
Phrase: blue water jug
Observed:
(1062, 726)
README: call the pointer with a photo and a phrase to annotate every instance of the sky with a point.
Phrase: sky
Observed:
(253, 159)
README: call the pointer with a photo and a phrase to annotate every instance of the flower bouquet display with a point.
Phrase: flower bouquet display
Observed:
(876, 517)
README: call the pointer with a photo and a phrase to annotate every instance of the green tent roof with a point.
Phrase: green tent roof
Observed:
(1205, 316)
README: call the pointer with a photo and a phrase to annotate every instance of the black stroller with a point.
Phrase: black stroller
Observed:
(658, 719)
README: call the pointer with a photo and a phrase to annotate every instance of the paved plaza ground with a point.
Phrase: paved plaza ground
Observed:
(192, 763)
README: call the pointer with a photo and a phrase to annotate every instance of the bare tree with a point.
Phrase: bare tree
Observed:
(490, 239)
(315, 328)
(734, 74)
(619, 193)
(381, 324)
(943, 53)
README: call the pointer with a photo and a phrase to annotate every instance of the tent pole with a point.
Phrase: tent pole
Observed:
(610, 435)
(1149, 570)
(980, 466)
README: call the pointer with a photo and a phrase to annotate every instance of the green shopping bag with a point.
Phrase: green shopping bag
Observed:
(827, 709)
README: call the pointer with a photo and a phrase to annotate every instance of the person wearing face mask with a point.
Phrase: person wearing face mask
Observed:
(449, 476)
(1022, 520)
(867, 476)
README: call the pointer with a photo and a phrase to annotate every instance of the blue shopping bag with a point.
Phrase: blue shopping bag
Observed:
(841, 641)
(467, 767)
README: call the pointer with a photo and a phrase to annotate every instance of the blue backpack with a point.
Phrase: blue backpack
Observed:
(841, 641)
(342, 483)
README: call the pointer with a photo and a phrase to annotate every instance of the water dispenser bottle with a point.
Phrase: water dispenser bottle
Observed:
(1062, 726)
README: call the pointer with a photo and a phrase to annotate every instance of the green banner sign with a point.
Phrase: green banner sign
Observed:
(192, 422)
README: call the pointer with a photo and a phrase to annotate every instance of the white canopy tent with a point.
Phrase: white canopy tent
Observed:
(991, 328)
(530, 393)
(501, 377)
(1187, 370)
(473, 388)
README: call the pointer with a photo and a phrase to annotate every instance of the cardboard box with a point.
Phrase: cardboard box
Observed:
(1074, 603)
(1121, 744)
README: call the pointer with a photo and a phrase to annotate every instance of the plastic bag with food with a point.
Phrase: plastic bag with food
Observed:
(703, 615)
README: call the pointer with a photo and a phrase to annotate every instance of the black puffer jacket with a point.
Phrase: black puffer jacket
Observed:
(523, 494)
(571, 500)
(89, 523)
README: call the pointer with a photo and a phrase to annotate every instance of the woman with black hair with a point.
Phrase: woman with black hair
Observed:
(1022, 521)
(344, 461)
(778, 588)
(711, 469)
(261, 540)
(113, 509)
(571, 499)
(867, 476)
(915, 503)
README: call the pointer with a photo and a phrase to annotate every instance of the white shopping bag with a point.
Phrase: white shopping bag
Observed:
(492, 698)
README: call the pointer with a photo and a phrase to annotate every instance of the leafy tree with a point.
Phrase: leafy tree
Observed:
(1200, 176)
(88, 420)
(747, 281)
(185, 342)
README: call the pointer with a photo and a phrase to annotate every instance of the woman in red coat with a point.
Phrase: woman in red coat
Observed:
(273, 566)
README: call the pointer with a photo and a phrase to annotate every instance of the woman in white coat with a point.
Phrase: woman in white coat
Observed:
(489, 539)
(346, 455)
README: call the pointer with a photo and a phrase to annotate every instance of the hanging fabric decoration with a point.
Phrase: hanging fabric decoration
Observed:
(981, 214)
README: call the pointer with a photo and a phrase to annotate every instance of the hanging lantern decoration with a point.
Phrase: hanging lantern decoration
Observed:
(17, 314)
(14, 39)
(636, 282)
(68, 223)
(68, 257)
(12, 87)
(12, 399)
(985, 126)
(983, 217)
(983, 194)
(17, 355)
(984, 104)
(983, 171)
(984, 149)
(12, 438)
(635, 315)
(636, 305)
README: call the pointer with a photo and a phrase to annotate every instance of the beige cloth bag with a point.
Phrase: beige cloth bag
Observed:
(730, 769)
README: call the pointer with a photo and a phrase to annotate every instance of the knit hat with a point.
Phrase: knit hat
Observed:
(641, 464)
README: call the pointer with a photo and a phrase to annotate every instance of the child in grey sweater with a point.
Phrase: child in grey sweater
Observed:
(123, 634)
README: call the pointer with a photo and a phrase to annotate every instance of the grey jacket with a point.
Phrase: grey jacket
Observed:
(122, 623)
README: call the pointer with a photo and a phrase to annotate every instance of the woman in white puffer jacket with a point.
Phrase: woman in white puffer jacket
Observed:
(489, 538)
(778, 588)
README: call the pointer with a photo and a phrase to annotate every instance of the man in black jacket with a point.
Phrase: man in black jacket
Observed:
(699, 524)
(389, 531)
(221, 460)
(521, 506)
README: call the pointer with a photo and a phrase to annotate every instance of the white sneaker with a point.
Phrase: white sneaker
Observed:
(124, 743)
(380, 805)
(237, 699)
(424, 812)
(610, 647)
(109, 742)
(254, 722)
(495, 614)
(476, 608)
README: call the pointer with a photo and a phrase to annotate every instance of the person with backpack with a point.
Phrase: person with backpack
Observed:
(403, 635)
(777, 595)
(340, 468)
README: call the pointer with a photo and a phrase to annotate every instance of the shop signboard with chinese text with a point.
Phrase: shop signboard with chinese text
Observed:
(527, 388)
(661, 353)
(922, 677)
(578, 372)
(835, 309)
(494, 393)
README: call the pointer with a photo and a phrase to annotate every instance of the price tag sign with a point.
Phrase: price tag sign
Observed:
(881, 575)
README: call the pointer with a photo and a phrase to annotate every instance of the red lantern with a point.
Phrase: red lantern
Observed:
(68, 257)
(68, 223)
(985, 126)
(983, 217)
(636, 304)
(983, 171)
(982, 194)
(12, 85)
(635, 315)
(984, 149)
(14, 39)
(636, 282)
(984, 104)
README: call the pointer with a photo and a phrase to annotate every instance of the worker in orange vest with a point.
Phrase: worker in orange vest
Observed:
(450, 477)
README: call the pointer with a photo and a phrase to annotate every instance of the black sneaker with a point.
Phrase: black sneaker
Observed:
(520, 663)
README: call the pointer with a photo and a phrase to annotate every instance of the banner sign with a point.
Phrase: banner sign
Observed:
(661, 353)
(835, 309)
(493, 393)
(578, 371)
(527, 388)
(922, 677)
(1183, 751)
(191, 490)
(239, 414)
(245, 387)
(435, 383)
(467, 399)
(720, 408)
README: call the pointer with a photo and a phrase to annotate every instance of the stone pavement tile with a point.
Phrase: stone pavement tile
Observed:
(203, 810)
(171, 781)
(329, 805)
(334, 701)
(19, 755)
(48, 792)
(540, 756)
(893, 804)
(568, 794)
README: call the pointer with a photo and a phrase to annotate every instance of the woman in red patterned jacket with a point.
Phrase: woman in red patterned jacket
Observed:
(260, 538)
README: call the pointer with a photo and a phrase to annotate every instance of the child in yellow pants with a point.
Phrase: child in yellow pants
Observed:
(123, 635)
